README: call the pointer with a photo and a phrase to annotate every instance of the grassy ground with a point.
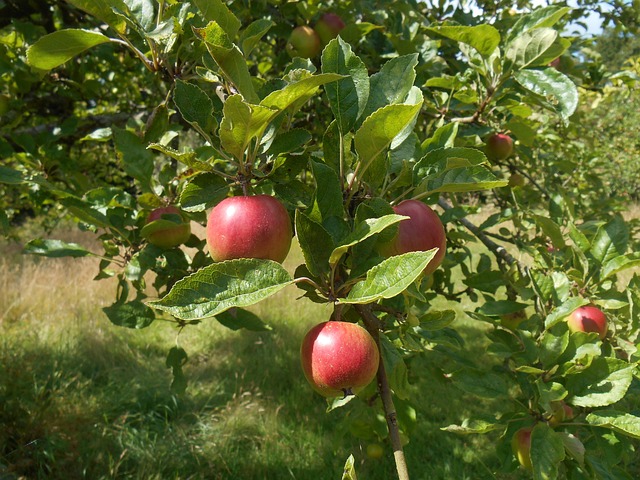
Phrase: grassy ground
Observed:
(81, 398)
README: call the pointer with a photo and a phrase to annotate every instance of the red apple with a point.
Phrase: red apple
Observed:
(339, 358)
(421, 232)
(249, 227)
(588, 319)
(328, 27)
(170, 229)
(304, 42)
(555, 63)
(499, 146)
(521, 446)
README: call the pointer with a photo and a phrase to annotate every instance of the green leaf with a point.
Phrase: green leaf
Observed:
(364, 230)
(241, 123)
(390, 278)
(464, 179)
(217, 10)
(501, 307)
(483, 384)
(237, 318)
(188, 158)
(396, 368)
(297, 93)
(538, 18)
(438, 160)
(562, 312)
(473, 426)
(289, 141)
(202, 192)
(176, 359)
(229, 58)
(619, 264)
(10, 176)
(133, 314)
(55, 249)
(252, 35)
(56, 48)
(443, 138)
(620, 422)
(392, 83)
(437, 319)
(328, 201)
(347, 97)
(377, 133)
(103, 10)
(559, 91)
(610, 241)
(349, 471)
(143, 12)
(484, 38)
(136, 159)
(547, 451)
(602, 383)
(218, 287)
(194, 105)
(315, 242)
(530, 46)
(551, 230)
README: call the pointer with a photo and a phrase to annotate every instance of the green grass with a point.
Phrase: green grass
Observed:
(81, 398)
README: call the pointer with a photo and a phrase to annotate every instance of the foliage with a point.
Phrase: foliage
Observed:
(398, 106)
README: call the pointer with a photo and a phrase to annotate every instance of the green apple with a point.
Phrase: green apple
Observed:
(304, 42)
(328, 27)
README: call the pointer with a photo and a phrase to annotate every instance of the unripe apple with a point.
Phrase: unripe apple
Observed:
(170, 229)
(304, 42)
(560, 412)
(588, 319)
(512, 320)
(249, 227)
(375, 451)
(516, 180)
(521, 446)
(499, 146)
(555, 63)
(339, 358)
(422, 231)
(328, 27)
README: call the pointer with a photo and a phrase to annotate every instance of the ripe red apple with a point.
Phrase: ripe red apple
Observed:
(328, 27)
(499, 146)
(249, 227)
(339, 358)
(304, 42)
(422, 231)
(588, 319)
(521, 446)
(170, 229)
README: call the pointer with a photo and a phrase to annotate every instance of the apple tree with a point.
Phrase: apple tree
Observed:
(353, 150)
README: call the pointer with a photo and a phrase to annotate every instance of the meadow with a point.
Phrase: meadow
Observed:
(82, 398)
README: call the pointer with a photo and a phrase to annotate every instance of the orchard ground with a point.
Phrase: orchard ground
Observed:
(82, 398)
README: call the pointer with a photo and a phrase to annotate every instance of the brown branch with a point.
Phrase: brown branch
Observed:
(372, 324)
(498, 250)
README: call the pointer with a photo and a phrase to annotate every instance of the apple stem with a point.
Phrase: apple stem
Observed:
(372, 324)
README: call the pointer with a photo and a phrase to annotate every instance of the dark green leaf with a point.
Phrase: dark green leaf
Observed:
(136, 159)
(547, 451)
(348, 97)
(556, 88)
(611, 241)
(621, 422)
(237, 318)
(484, 38)
(103, 10)
(602, 383)
(133, 314)
(194, 105)
(55, 248)
(202, 192)
(218, 287)
(217, 10)
(315, 242)
(10, 176)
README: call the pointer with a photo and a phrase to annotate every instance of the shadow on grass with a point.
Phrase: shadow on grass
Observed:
(98, 405)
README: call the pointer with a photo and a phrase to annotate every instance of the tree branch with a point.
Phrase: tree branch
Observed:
(372, 324)
(498, 250)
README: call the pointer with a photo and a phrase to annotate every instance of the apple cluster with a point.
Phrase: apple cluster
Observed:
(307, 42)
